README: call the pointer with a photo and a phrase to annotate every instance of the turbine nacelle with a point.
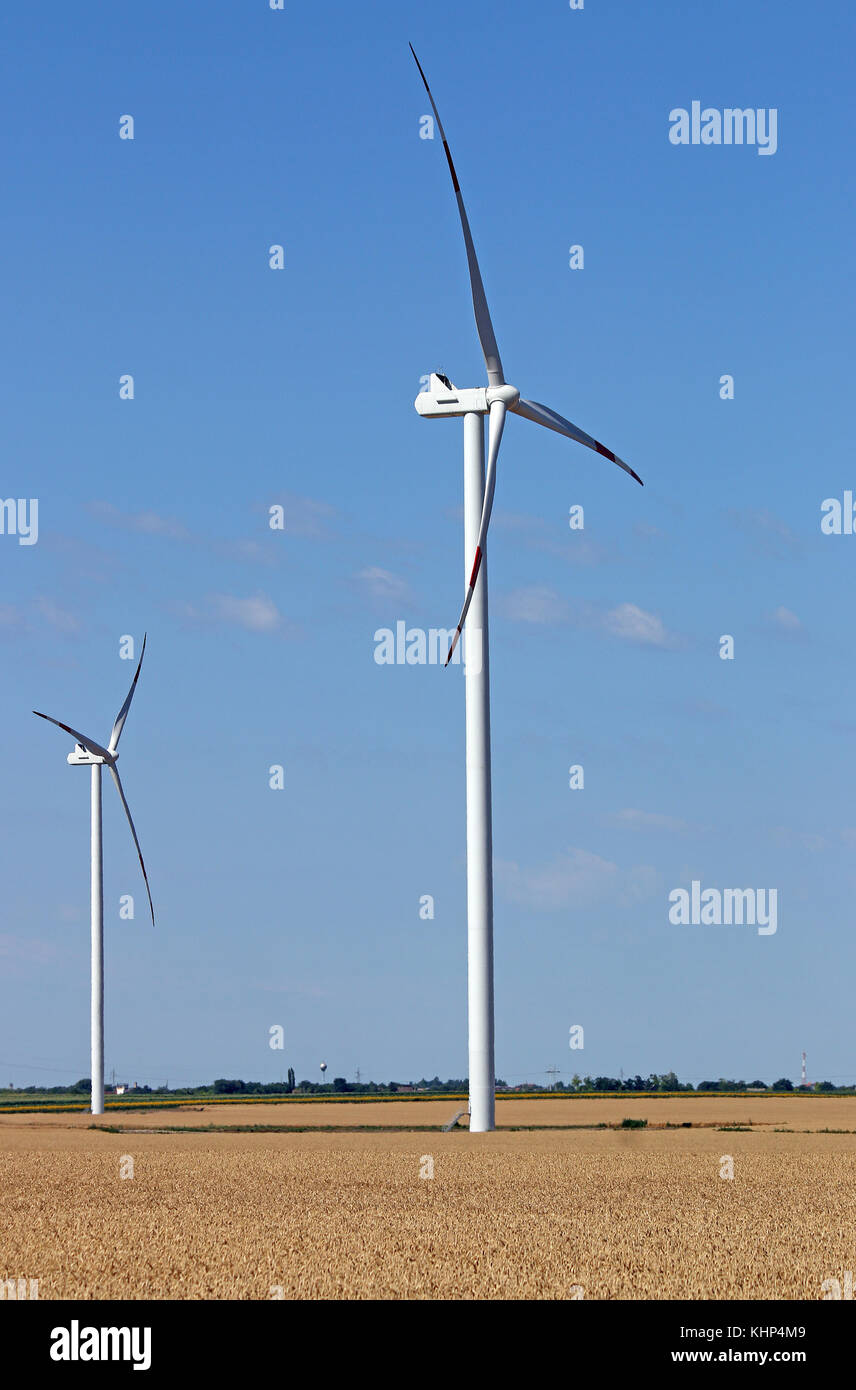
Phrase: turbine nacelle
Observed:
(82, 757)
(443, 399)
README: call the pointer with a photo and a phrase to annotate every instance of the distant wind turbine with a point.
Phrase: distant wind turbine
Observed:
(443, 399)
(88, 753)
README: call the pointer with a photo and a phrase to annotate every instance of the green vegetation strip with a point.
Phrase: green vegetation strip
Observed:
(322, 1129)
(433, 1129)
(59, 1106)
(266, 1129)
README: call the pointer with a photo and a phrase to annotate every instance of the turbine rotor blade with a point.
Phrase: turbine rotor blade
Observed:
(542, 415)
(498, 411)
(487, 337)
(88, 743)
(115, 775)
(123, 712)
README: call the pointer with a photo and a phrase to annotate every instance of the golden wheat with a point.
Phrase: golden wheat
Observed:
(635, 1214)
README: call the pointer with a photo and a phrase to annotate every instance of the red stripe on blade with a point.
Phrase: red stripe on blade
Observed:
(476, 564)
(607, 453)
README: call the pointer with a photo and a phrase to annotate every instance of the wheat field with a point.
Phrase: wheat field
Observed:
(595, 1214)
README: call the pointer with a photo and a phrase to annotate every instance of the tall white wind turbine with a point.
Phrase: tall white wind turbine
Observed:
(440, 400)
(88, 753)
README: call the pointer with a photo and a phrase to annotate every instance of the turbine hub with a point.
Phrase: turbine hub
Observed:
(509, 394)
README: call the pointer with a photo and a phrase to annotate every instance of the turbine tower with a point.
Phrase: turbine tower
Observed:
(88, 753)
(442, 400)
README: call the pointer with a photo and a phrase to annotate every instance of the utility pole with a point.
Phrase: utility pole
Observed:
(554, 1072)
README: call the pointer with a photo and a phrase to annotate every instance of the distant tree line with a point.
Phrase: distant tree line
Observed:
(669, 1082)
(578, 1085)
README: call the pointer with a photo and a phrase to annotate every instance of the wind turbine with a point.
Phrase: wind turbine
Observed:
(88, 753)
(496, 400)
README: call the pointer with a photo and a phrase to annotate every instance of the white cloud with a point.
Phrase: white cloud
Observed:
(383, 585)
(251, 552)
(802, 839)
(706, 709)
(632, 819)
(26, 949)
(575, 878)
(533, 605)
(633, 624)
(786, 622)
(542, 605)
(258, 613)
(10, 616)
(20, 617)
(304, 516)
(147, 523)
(537, 534)
(57, 617)
(773, 535)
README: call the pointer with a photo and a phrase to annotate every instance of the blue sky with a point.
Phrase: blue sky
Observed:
(300, 907)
